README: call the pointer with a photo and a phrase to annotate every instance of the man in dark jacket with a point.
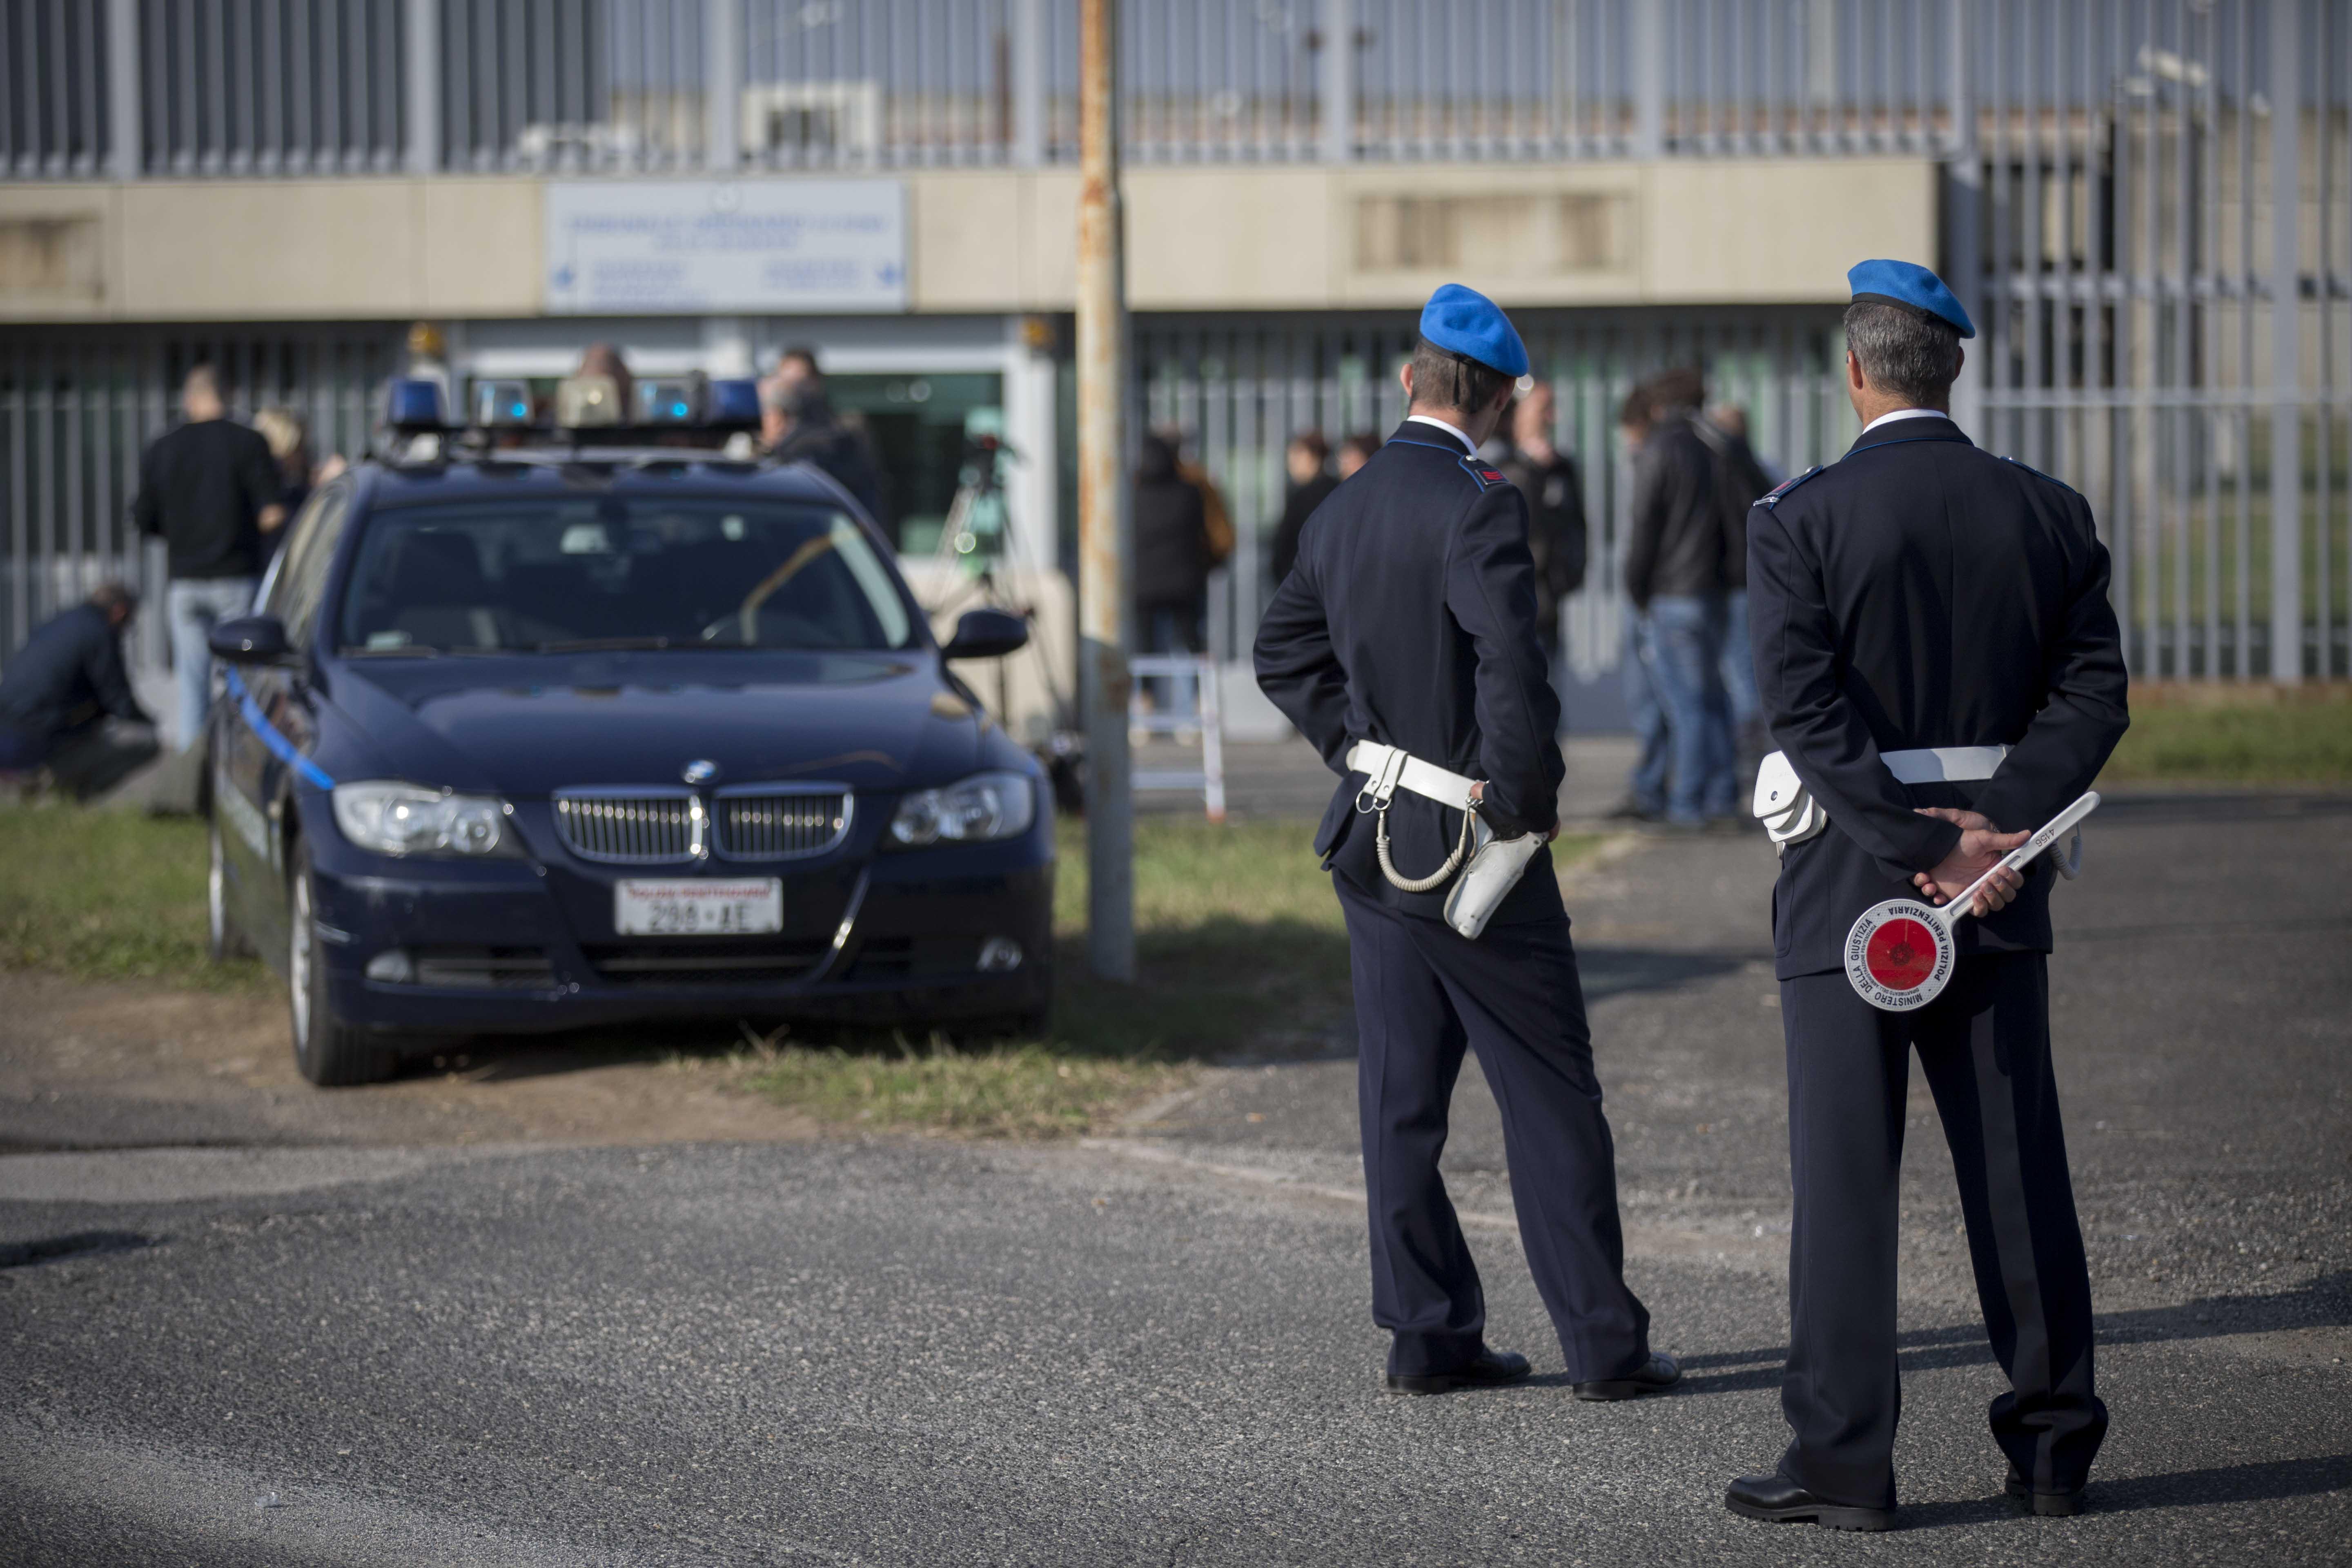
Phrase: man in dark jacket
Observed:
(1408, 626)
(1547, 476)
(1674, 583)
(66, 702)
(1311, 484)
(1740, 480)
(210, 489)
(1171, 562)
(798, 425)
(1939, 660)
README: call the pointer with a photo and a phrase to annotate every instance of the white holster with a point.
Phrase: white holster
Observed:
(1488, 866)
(1791, 814)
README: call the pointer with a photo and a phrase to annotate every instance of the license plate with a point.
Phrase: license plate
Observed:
(699, 908)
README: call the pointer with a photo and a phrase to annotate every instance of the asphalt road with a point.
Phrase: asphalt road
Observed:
(1154, 1348)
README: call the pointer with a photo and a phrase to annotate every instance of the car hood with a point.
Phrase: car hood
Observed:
(524, 727)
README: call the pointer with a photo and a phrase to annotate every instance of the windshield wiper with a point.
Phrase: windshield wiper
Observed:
(405, 650)
(603, 645)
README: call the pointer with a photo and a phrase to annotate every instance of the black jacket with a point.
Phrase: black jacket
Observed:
(820, 438)
(1296, 507)
(1172, 534)
(1674, 539)
(1740, 482)
(1556, 535)
(69, 674)
(202, 487)
(1919, 592)
(1409, 619)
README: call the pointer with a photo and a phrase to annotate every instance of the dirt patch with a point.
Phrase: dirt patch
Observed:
(89, 1067)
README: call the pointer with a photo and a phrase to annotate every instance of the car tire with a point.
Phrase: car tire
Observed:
(223, 941)
(327, 1051)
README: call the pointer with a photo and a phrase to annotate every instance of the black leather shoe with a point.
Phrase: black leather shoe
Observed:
(1493, 1369)
(1776, 1499)
(2049, 1505)
(1659, 1371)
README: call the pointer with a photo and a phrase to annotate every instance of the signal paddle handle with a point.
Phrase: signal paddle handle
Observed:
(2048, 834)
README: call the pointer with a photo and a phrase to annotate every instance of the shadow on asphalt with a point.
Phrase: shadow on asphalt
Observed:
(2271, 1482)
(1618, 971)
(2164, 808)
(2325, 1302)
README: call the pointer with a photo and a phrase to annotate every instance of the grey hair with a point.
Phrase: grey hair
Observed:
(1912, 356)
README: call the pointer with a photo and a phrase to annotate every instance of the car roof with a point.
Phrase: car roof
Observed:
(613, 471)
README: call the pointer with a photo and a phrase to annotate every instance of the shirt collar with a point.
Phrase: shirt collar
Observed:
(1453, 430)
(1893, 415)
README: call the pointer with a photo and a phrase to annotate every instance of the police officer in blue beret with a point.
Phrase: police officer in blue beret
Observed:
(1403, 643)
(1938, 662)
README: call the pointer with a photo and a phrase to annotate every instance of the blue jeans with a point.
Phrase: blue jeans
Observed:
(1170, 629)
(1683, 718)
(1738, 663)
(192, 608)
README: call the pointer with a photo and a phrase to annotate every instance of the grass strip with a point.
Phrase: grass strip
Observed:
(2236, 735)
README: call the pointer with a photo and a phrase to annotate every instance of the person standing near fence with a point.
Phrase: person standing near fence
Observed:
(1740, 479)
(209, 489)
(1675, 584)
(1306, 461)
(1556, 535)
(1172, 559)
(1409, 626)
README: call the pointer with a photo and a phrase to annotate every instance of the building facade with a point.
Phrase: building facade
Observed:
(2147, 205)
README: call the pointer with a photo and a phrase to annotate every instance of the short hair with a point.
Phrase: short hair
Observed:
(803, 352)
(1363, 443)
(1312, 443)
(1906, 352)
(202, 377)
(1443, 379)
(109, 595)
(1684, 386)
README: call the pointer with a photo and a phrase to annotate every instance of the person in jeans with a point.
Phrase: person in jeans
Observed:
(1172, 558)
(1741, 479)
(1675, 583)
(66, 703)
(211, 490)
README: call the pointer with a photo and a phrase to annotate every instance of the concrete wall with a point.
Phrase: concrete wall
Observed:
(1305, 238)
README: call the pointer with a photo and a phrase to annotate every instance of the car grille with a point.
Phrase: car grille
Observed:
(632, 829)
(780, 826)
(707, 963)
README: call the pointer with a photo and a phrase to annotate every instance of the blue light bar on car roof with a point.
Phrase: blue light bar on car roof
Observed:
(502, 404)
(733, 402)
(670, 400)
(414, 405)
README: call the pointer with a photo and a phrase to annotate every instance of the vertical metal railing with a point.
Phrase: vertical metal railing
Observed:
(78, 407)
(1235, 393)
(268, 87)
(887, 82)
(55, 102)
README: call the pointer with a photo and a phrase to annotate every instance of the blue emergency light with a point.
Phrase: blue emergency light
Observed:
(734, 403)
(413, 405)
(502, 404)
(670, 400)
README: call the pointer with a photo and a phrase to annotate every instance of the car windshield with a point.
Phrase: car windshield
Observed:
(567, 575)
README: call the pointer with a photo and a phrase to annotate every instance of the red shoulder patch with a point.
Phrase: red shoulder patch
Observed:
(1490, 476)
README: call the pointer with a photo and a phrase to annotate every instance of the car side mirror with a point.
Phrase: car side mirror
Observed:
(249, 639)
(987, 634)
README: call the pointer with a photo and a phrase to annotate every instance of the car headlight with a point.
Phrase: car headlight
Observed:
(971, 811)
(409, 819)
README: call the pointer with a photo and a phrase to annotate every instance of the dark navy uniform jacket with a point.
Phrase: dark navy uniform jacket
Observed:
(1409, 619)
(1919, 592)
(70, 673)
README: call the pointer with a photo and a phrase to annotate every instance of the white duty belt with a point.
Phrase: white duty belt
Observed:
(1494, 865)
(1791, 814)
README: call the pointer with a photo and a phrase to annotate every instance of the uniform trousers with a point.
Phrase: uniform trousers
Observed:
(1423, 993)
(1984, 1044)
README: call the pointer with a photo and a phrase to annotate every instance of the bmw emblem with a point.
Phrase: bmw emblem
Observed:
(701, 770)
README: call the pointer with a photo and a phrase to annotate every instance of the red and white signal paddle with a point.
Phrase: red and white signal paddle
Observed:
(1900, 953)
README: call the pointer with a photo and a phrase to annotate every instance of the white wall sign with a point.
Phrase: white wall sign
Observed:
(635, 247)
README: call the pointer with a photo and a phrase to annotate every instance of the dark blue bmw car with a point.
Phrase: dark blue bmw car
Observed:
(524, 740)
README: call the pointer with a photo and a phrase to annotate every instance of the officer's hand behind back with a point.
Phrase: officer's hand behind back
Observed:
(1980, 848)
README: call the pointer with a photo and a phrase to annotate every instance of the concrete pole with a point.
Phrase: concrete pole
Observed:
(2286, 343)
(127, 155)
(423, 17)
(722, 89)
(1963, 242)
(1104, 552)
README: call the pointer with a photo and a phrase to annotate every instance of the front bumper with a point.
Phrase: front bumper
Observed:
(517, 946)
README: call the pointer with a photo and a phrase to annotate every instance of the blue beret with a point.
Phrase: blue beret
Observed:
(1911, 286)
(1463, 322)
